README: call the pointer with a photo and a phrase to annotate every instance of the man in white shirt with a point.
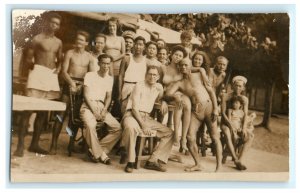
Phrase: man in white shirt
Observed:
(137, 120)
(97, 98)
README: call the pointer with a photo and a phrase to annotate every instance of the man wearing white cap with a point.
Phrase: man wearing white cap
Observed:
(238, 84)
(129, 41)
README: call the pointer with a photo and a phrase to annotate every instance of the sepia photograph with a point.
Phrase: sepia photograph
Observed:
(101, 96)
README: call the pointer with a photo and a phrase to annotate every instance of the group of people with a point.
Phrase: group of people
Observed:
(137, 74)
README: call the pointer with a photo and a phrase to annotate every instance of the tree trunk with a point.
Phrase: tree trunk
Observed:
(268, 106)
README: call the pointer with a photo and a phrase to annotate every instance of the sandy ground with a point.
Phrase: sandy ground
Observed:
(266, 160)
(276, 141)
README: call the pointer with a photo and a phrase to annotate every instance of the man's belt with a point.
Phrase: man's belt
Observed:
(130, 82)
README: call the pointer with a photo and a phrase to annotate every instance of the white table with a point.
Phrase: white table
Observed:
(24, 103)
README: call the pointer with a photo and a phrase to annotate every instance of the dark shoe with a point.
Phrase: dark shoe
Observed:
(240, 166)
(154, 166)
(106, 161)
(92, 158)
(129, 167)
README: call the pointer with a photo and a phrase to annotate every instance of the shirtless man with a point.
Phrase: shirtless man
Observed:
(204, 107)
(42, 79)
(151, 54)
(100, 41)
(76, 64)
(217, 74)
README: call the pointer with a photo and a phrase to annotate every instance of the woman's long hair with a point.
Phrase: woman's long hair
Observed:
(206, 60)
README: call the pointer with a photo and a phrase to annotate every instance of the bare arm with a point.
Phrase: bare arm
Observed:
(65, 68)
(123, 66)
(223, 110)
(210, 91)
(164, 105)
(59, 57)
(107, 100)
(135, 106)
(93, 63)
(171, 90)
(246, 102)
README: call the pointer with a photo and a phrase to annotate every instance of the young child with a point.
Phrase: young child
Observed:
(236, 116)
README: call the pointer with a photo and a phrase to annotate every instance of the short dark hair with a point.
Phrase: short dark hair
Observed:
(100, 35)
(115, 20)
(151, 43)
(140, 38)
(185, 34)
(52, 14)
(161, 40)
(150, 67)
(179, 48)
(163, 48)
(237, 98)
(222, 58)
(85, 34)
(102, 56)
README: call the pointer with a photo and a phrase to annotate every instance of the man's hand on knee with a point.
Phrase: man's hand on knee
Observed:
(146, 130)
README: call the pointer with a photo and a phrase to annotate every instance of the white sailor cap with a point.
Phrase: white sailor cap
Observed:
(239, 78)
(129, 34)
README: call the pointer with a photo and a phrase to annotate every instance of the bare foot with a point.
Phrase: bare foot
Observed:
(176, 141)
(175, 158)
(183, 145)
(37, 150)
(194, 168)
(218, 169)
(19, 153)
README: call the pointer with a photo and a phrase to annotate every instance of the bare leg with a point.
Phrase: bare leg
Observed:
(177, 120)
(246, 146)
(215, 136)
(185, 121)
(55, 132)
(38, 126)
(192, 145)
(21, 134)
(229, 143)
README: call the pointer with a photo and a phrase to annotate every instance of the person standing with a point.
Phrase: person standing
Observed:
(42, 79)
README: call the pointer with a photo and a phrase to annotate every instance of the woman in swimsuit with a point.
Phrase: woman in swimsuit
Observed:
(115, 45)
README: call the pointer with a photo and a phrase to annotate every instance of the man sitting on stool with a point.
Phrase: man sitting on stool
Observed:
(97, 98)
(137, 119)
